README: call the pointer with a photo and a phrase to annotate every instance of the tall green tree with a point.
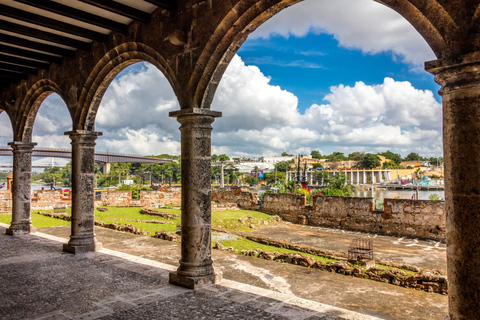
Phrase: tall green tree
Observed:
(413, 157)
(392, 156)
(356, 156)
(370, 161)
(316, 154)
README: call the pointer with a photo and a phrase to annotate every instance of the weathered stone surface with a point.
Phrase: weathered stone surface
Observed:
(243, 197)
(158, 213)
(21, 193)
(83, 198)
(412, 218)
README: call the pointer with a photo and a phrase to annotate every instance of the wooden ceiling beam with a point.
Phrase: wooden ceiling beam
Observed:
(35, 45)
(23, 62)
(76, 14)
(47, 36)
(165, 4)
(13, 67)
(120, 9)
(30, 54)
(33, 18)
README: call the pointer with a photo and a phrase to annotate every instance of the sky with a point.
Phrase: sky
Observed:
(344, 75)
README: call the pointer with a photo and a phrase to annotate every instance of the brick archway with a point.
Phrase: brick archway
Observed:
(106, 70)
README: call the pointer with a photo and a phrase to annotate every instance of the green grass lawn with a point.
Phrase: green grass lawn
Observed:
(246, 244)
(220, 219)
(38, 221)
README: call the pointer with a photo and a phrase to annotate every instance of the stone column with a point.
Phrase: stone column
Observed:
(460, 83)
(196, 266)
(82, 238)
(380, 176)
(22, 190)
(358, 177)
(351, 177)
(364, 177)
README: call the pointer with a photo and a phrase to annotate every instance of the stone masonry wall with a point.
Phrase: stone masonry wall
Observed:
(243, 197)
(423, 219)
(289, 206)
(162, 195)
(49, 196)
(6, 206)
(116, 198)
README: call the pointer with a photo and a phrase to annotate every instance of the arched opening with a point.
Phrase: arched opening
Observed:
(5, 137)
(387, 104)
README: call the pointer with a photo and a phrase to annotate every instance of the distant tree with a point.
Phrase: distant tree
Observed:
(356, 156)
(392, 156)
(370, 161)
(223, 157)
(413, 157)
(282, 166)
(317, 166)
(316, 154)
(284, 154)
(214, 158)
(336, 156)
(389, 165)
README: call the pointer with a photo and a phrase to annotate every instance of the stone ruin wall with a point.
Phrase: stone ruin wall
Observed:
(124, 198)
(4, 194)
(49, 196)
(424, 219)
(162, 195)
(243, 197)
(5, 206)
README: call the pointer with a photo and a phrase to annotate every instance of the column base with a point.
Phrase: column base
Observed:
(19, 231)
(194, 282)
(83, 248)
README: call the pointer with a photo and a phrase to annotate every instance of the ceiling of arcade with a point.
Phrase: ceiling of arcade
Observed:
(74, 48)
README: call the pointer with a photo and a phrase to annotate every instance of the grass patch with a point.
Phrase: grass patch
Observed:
(408, 272)
(38, 221)
(230, 219)
(242, 243)
(220, 219)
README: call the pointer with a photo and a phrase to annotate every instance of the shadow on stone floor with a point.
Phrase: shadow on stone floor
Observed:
(38, 281)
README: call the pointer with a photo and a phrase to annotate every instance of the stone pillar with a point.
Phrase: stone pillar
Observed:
(358, 177)
(380, 175)
(21, 188)
(82, 238)
(196, 266)
(351, 177)
(460, 83)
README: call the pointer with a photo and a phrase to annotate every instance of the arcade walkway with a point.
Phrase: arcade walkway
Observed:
(38, 281)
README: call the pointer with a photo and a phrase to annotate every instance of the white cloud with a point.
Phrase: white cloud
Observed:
(258, 118)
(361, 24)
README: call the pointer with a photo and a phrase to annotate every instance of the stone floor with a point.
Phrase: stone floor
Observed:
(38, 281)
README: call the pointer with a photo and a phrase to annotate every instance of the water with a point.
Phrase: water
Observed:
(403, 194)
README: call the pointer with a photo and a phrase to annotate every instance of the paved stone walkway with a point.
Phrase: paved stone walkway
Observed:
(38, 281)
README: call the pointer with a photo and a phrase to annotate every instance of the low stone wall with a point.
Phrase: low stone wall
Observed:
(424, 219)
(289, 206)
(243, 197)
(116, 198)
(162, 195)
(5, 206)
(49, 196)
(4, 194)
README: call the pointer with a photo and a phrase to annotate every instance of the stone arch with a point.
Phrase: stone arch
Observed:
(29, 107)
(431, 20)
(106, 70)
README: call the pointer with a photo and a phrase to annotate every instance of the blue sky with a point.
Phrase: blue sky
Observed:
(309, 65)
(343, 75)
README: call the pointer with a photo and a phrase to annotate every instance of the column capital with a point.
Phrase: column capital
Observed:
(195, 112)
(22, 146)
(83, 136)
(454, 74)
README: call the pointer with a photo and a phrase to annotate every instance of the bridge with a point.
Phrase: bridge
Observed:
(102, 158)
